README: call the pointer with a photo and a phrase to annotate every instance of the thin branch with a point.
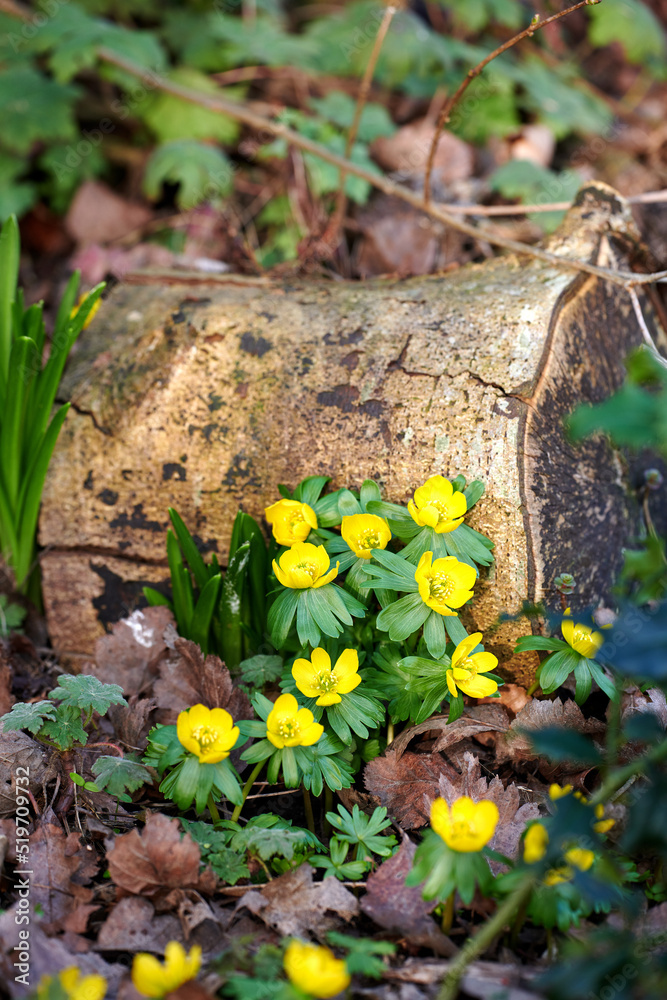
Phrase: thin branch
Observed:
(223, 105)
(646, 333)
(649, 198)
(472, 74)
(331, 234)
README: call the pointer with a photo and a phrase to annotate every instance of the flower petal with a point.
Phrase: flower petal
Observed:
(450, 684)
(465, 647)
(347, 663)
(479, 686)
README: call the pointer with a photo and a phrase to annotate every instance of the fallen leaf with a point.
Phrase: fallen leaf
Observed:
(99, 215)
(653, 701)
(512, 817)
(65, 867)
(134, 926)
(451, 732)
(190, 679)
(130, 654)
(407, 151)
(156, 859)
(20, 750)
(401, 909)
(482, 980)
(512, 697)
(132, 722)
(538, 715)
(296, 906)
(401, 782)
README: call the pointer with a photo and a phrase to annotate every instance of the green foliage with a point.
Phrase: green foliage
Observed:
(11, 616)
(88, 693)
(28, 717)
(336, 864)
(201, 172)
(228, 865)
(634, 25)
(28, 388)
(260, 670)
(443, 870)
(120, 775)
(534, 185)
(362, 956)
(185, 778)
(364, 832)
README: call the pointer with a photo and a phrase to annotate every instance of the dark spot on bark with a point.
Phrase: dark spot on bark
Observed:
(126, 474)
(120, 597)
(306, 365)
(109, 497)
(215, 402)
(214, 338)
(386, 433)
(172, 470)
(257, 346)
(269, 317)
(88, 485)
(242, 390)
(178, 317)
(184, 458)
(352, 338)
(241, 470)
(192, 301)
(210, 546)
(350, 361)
(207, 430)
(373, 407)
(137, 519)
(509, 407)
(342, 396)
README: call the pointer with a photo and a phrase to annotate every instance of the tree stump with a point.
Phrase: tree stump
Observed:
(205, 394)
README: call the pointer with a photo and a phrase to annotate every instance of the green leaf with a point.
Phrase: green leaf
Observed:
(257, 671)
(202, 172)
(172, 119)
(66, 729)
(557, 668)
(121, 775)
(339, 108)
(34, 109)
(363, 832)
(281, 616)
(434, 635)
(403, 617)
(633, 25)
(228, 865)
(538, 642)
(30, 717)
(200, 625)
(88, 693)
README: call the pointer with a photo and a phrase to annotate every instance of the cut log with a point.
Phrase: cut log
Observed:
(204, 395)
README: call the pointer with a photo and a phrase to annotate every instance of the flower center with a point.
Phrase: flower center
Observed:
(296, 518)
(441, 586)
(441, 507)
(204, 736)
(579, 634)
(462, 830)
(288, 729)
(327, 682)
(368, 539)
(467, 664)
(312, 569)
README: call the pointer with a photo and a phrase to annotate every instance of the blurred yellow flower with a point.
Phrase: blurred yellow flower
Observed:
(467, 826)
(291, 521)
(152, 978)
(436, 505)
(364, 532)
(208, 733)
(315, 970)
(290, 726)
(91, 314)
(467, 669)
(445, 583)
(558, 792)
(602, 825)
(316, 679)
(583, 640)
(535, 844)
(304, 566)
(577, 856)
(74, 984)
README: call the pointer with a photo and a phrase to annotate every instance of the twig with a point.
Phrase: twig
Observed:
(332, 230)
(224, 105)
(472, 74)
(649, 198)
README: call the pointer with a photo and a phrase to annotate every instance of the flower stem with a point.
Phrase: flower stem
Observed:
(477, 945)
(328, 807)
(448, 914)
(390, 732)
(308, 806)
(246, 789)
(212, 808)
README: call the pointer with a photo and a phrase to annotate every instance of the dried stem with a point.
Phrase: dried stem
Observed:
(331, 235)
(472, 74)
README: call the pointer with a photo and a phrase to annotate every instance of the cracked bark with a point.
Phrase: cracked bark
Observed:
(212, 396)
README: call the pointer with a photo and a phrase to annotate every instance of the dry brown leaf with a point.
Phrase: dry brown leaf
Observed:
(538, 715)
(407, 150)
(65, 867)
(99, 215)
(482, 980)
(132, 722)
(296, 906)
(652, 701)
(156, 859)
(190, 679)
(130, 654)
(401, 909)
(20, 750)
(512, 817)
(451, 733)
(401, 782)
(511, 696)
(134, 926)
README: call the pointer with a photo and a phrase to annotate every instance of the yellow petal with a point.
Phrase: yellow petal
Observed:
(330, 698)
(450, 684)
(348, 683)
(484, 662)
(347, 663)
(322, 582)
(148, 975)
(465, 647)
(320, 659)
(311, 734)
(478, 686)
(429, 515)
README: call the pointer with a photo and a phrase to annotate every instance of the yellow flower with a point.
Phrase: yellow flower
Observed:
(582, 639)
(577, 856)
(445, 583)
(535, 843)
(602, 825)
(316, 679)
(315, 969)
(91, 314)
(152, 978)
(291, 726)
(364, 532)
(290, 521)
(466, 668)
(208, 733)
(75, 986)
(303, 566)
(556, 792)
(467, 826)
(436, 505)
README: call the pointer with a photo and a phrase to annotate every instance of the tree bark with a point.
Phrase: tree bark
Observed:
(204, 395)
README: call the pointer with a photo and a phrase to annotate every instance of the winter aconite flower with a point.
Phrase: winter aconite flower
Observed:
(73, 985)
(365, 532)
(316, 679)
(152, 978)
(466, 671)
(291, 521)
(466, 826)
(577, 857)
(315, 969)
(445, 583)
(291, 726)
(582, 639)
(602, 825)
(535, 844)
(208, 733)
(437, 506)
(304, 566)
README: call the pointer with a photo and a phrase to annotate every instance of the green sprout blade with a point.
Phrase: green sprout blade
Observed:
(9, 272)
(190, 551)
